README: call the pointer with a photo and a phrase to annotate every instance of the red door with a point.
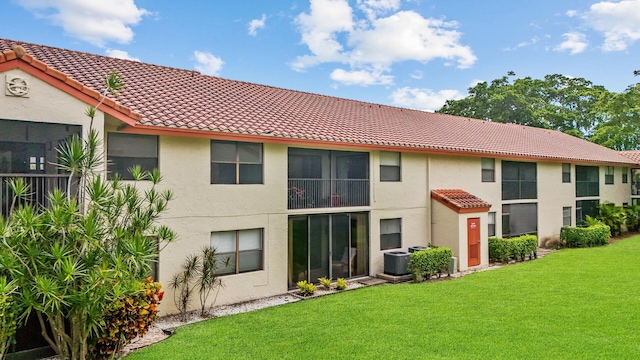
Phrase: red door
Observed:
(473, 240)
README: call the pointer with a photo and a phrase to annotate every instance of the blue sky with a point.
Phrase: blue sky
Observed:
(409, 53)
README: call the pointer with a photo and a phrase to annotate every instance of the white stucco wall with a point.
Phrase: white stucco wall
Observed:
(200, 208)
(407, 199)
(45, 103)
(446, 228)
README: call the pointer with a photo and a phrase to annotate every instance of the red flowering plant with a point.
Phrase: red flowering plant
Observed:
(128, 318)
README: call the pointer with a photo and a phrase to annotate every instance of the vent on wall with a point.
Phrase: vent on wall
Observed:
(16, 86)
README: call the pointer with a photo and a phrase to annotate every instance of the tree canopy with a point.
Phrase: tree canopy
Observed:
(572, 105)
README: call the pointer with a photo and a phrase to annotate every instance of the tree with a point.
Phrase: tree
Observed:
(556, 102)
(622, 130)
(73, 259)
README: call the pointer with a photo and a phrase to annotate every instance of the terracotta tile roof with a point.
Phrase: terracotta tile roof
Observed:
(179, 99)
(632, 154)
(460, 200)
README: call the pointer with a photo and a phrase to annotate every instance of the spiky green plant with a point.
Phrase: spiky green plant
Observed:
(326, 282)
(74, 258)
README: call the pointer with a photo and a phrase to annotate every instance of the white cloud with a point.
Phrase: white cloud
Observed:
(574, 42)
(424, 99)
(374, 8)
(319, 31)
(361, 77)
(96, 22)
(619, 22)
(120, 54)
(207, 63)
(571, 13)
(417, 75)
(334, 34)
(532, 41)
(256, 24)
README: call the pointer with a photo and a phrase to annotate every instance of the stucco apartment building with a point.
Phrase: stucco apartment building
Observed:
(292, 185)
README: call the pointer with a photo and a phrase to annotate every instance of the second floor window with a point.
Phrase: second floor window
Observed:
(234, 162)
(389, 166)
(519, 180)
(125, 151)
(566, 173)
(625, 175)
(587, 181)
(488, 170)
(608, 175)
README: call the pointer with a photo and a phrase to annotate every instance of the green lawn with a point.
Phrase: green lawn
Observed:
(574, 304)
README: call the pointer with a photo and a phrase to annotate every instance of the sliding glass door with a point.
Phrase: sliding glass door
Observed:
(327, 245)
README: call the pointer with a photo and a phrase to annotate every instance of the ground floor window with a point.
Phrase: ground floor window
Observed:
(390, 234)
(566, 216)
(491, 223)
(328, 245)
(584, 208)
(238, 251)
(519, 219)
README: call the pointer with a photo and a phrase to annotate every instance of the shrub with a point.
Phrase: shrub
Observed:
(425, 263)
(129, 317)
(341, 284)
(518, 248)
(306, 289)
(326, 282)
(632, 217)
(613, 216)
(9, 310)
(595, 235)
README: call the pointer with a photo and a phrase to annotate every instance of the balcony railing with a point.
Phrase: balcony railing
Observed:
(321, 193)
(39, 188)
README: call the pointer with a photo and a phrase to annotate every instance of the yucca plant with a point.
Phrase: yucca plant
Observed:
(73, 259)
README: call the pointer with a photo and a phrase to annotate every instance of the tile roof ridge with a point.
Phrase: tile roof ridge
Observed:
(20, 53)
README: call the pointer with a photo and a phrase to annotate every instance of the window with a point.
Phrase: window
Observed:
(625, 175)
(566, 216)
(125, 151)
(389, 166)
(584, 208)
(491, 221)
(566, 173)
(238, 251)
(635, 181)
(390, 234)
(587, 181)
(608, 175)
(519, 180)
(488, 170)
(519, 219)
(236, 162)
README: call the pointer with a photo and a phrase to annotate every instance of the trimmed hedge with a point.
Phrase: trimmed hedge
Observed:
(503, 250)
(425, 263)
(595, 235)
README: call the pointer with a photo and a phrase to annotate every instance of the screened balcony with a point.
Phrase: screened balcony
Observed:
(28, 151)
(39, 187)
(327, 179)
